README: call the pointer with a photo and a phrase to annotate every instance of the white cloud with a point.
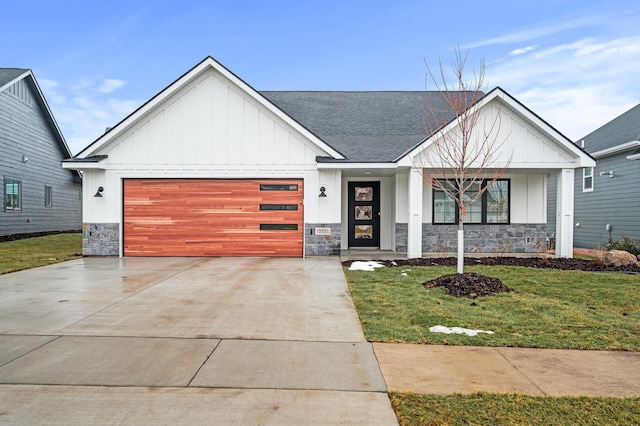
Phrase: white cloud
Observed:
(576, 86)
(534, 32)
(84, 109)
(50, 90)
(522, 50)
(110, 84)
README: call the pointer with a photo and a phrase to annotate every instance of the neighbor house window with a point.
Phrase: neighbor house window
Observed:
(48, 196)
(12, 194)
(587, 179)
(491, 208)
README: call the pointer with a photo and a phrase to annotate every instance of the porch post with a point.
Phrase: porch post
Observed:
(564, 214)
(414, 226)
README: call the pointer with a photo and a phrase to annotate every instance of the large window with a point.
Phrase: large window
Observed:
(587, 179)
(491, 208)
(12, 194)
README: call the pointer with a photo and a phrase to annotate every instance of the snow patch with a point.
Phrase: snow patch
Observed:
(365, 266)
(456, 330)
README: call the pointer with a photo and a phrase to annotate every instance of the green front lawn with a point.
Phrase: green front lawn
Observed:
(547, 309)
(39, 251)
(513, 409)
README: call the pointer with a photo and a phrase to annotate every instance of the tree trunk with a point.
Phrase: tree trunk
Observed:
(460, 269)
(462, 212)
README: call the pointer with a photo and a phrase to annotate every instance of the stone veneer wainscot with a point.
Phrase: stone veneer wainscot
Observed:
(100, 239)
(513, 238)
(322, 245)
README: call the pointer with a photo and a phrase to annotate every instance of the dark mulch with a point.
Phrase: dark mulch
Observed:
(475, 285)
(530, 262)
(468, 284)
(16, 237)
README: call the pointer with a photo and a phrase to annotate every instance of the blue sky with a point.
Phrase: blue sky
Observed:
(574, 63)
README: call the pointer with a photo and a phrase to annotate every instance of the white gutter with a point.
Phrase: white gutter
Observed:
(633, 157)
(616, 149)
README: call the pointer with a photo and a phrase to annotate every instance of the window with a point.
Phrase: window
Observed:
(444, 207)
(491, 208)
(278, 207)
(278, 227)
(278, 187)
(48, 196)
(12, 194)
(587, 179)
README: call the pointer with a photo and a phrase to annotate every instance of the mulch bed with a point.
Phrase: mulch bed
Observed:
(468, 284)
(530, 262)
(475, 285)
(16, 237)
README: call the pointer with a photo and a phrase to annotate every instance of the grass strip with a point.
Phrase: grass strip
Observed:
(513, 409)
(39, 251)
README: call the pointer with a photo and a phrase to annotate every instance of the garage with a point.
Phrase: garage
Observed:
(213, 217)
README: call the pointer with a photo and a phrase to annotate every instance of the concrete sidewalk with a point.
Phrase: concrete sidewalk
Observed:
(186, 341)
(434, 369)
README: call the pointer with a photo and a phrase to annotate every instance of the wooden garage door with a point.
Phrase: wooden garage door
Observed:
(205, 217)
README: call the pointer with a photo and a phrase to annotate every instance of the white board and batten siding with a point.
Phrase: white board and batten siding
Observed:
(518, 143)
(208, 129)
(211, 123)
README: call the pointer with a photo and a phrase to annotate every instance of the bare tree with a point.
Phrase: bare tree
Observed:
(465, 158)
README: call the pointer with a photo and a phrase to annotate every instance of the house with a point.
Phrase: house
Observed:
(38, 195)
(212, 167)
(607, 197)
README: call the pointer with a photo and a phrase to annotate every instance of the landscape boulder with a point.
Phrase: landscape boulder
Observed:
(620, 258)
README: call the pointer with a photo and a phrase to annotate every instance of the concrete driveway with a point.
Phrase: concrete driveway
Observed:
(186, 340)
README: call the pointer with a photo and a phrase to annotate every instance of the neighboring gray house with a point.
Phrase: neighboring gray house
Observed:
(38, 195)
(607, 197)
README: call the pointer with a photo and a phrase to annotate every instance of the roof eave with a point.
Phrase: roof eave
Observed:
(616, 149)
(91, 162)
(633, 156)
(337, 165)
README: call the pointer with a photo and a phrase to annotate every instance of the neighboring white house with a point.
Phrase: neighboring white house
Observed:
(212, 167)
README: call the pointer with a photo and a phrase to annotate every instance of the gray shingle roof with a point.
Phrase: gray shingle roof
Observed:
(8, 74)
(622, 129)
(364, 126)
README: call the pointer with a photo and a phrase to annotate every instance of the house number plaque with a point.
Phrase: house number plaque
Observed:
(323, 231)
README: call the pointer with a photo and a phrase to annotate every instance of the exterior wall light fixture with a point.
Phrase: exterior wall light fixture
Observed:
(322, 194)
(99, 192)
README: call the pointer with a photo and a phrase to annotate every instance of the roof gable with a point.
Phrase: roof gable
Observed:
(207, 64)
(12, 76)
(9, 76)
(533, 142)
